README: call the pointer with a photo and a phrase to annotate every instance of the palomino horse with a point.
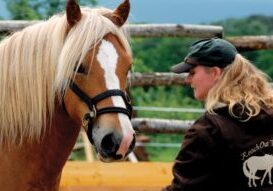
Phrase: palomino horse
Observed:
(56, 77)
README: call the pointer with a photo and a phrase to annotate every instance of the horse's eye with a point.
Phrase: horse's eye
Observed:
(80, 70)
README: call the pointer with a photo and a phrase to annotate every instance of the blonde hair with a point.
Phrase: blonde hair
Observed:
(241, 83)
(37, 64)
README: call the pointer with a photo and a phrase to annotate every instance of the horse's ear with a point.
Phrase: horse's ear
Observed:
(120, 14)
(73, 12)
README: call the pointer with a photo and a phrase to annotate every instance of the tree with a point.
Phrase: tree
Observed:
(38, 9)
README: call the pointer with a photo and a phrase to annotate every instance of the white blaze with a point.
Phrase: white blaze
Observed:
(108, 59)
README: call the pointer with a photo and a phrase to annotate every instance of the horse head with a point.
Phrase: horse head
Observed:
(96, 93)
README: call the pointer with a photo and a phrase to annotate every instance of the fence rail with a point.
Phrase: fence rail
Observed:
(168, 109)
(140, 30)
(175, 30)
(243, 43)
(97, 176)
(156, 79)
(248, 43)
(169, 126)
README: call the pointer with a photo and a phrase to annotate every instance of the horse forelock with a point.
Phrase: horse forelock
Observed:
(83, 37)
(36, 65)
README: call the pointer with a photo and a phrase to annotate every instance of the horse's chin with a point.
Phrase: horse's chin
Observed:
(108, 160)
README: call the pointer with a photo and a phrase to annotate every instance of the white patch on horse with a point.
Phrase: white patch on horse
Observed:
(108, 59)
(255, 163)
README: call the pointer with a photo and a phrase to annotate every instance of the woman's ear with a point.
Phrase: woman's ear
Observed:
(216, 72)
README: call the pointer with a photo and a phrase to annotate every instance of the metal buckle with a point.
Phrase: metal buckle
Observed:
(85, 124)
(89, 117)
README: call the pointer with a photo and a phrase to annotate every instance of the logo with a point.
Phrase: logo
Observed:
(256, 163)
(258, 169)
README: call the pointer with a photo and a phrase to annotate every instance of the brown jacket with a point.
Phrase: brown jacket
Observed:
(222, 153)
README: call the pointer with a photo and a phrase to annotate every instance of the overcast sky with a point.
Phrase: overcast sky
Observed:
(186, 11)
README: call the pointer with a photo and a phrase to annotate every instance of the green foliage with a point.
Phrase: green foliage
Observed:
(264, 62)
(175, 97)
(38, 9)
(158, 54)
(166, 154)
(253, 25)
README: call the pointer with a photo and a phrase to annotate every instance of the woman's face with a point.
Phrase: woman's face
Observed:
(201, 79)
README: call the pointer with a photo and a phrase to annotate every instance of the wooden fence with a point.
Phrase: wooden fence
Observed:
(140, 30)
(171, 30)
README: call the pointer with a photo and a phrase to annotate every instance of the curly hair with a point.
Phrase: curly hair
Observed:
(241, 84)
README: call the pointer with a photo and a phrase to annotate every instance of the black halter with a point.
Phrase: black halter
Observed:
(94, 112)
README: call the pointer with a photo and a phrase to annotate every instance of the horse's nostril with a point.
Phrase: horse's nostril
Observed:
(109, 144)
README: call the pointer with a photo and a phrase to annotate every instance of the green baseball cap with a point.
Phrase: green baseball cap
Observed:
(207, 52)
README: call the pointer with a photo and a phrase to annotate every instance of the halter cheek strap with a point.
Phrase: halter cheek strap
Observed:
(94, 112)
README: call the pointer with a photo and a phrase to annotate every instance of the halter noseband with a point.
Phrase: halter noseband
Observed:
(94, 112)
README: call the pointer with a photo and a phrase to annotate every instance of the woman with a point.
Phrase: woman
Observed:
(229, 148)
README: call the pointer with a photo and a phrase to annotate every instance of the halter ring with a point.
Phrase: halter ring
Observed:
(90, 116)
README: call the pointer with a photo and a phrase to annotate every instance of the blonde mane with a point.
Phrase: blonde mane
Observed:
(36, 65)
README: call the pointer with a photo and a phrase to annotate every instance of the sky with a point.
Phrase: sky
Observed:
(193, 11)
(185, 11)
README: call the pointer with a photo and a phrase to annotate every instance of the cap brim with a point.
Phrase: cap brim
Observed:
(182, 67)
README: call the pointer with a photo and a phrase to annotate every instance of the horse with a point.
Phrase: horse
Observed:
(56, 77)
(258, 163)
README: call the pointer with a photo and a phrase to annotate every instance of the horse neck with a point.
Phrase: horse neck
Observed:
(38, 166)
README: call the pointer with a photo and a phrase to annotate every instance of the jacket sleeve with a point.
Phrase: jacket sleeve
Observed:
(194, 164)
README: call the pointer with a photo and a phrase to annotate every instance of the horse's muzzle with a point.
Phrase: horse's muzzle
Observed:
(110, 145)
(107, 143)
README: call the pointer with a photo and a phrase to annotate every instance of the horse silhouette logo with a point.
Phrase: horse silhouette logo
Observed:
(255, 163)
